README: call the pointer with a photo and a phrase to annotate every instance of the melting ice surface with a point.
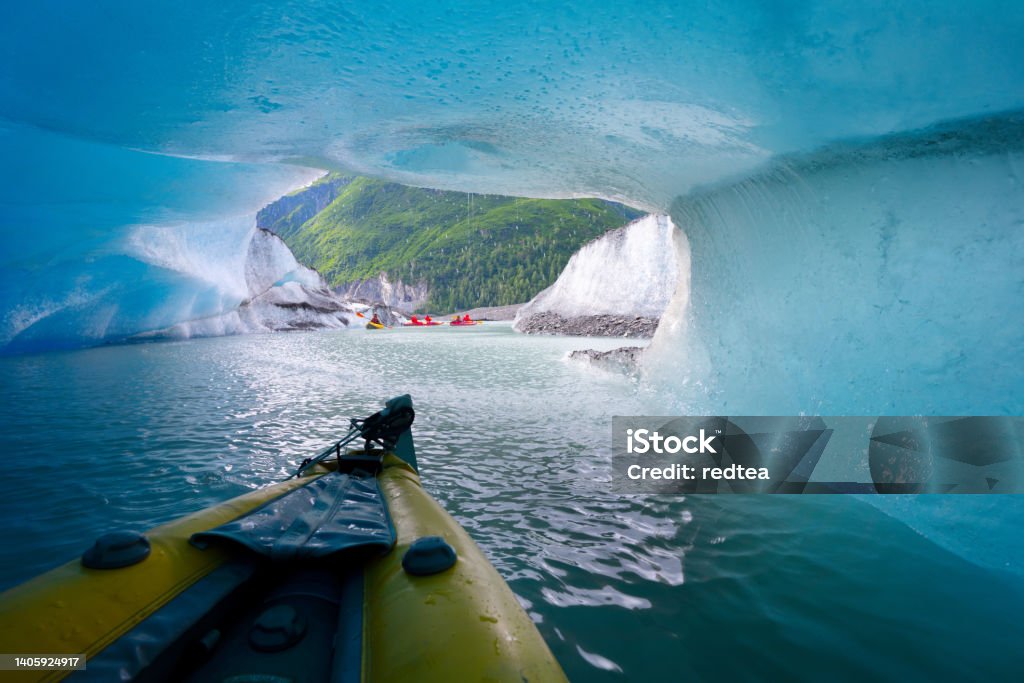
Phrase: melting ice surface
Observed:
(632, 99)
(851, 251)
(882, 277)
(847, 174)
(102, 242)
(633, 270)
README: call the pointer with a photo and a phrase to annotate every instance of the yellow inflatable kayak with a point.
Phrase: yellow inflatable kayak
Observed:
(347, 571)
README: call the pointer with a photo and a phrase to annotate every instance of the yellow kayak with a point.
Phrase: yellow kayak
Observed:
(347, 571)
(374, 326)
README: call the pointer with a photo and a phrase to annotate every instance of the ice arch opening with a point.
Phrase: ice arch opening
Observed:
(803, 299)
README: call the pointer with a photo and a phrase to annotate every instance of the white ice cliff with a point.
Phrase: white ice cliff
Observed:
(278, 294)
(630, 271)
(398, 295)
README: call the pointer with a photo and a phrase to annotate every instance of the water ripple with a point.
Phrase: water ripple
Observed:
(514, 443)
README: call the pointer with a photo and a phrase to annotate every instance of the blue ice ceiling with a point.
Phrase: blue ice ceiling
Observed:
(765, 127)
(639, 100)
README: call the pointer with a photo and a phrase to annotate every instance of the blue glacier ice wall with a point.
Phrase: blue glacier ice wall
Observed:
(100, 242)
(883, 277)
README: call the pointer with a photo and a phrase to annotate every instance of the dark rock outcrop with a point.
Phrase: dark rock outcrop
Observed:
(622, 358)
(548, 322)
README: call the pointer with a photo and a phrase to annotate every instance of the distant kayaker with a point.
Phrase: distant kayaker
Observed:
(414, 321)
(375, 320)
(466, 319)
(428, 319)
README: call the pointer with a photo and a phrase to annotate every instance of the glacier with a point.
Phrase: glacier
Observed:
(103, 243)
(632, 271)
(277, 294)
(876, 277)
(635, 100)
(400, 296)
(846, 174)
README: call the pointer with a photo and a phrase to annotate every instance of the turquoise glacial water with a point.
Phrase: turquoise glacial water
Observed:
(513, 439)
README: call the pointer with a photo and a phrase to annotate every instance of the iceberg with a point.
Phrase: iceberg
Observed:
(846, 175)
(630, 272)
(870, 278)
(277, 294)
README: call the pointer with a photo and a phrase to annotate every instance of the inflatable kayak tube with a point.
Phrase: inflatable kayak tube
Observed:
(374, 326)
(347, 571)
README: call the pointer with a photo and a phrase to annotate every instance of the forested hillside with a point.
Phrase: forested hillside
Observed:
(471, 250)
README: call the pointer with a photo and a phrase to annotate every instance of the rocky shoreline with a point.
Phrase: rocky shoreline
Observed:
(489, 312)
(547, 322)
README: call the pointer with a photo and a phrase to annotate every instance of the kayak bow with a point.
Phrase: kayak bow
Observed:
(347, 571)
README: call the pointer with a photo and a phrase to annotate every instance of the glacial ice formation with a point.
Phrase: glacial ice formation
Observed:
(616, 285)
(848, 173)
(883, 277)
(102, 243)
(277, 294)
(632, 270)
(398, 295)
(637, 100)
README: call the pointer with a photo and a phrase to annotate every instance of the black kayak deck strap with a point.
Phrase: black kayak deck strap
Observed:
(333, 513)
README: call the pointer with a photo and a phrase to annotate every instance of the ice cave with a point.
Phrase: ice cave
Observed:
(844, 177)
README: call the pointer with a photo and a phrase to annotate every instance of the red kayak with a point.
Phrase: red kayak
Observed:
(459, 323)
(416, 322)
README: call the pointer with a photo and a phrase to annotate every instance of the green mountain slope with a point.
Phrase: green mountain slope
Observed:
(472, 250)
(285, 216)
